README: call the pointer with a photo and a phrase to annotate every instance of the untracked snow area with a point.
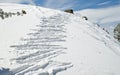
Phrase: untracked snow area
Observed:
(51, 42)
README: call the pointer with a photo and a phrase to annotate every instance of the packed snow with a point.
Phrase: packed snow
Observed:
(51, 42)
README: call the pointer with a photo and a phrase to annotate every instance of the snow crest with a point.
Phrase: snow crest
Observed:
(49, 42)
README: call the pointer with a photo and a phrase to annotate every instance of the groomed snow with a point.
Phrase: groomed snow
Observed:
(49, 42)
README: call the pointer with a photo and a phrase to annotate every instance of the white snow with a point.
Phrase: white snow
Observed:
(49, 42)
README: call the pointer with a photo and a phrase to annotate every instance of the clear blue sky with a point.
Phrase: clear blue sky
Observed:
(76, 4)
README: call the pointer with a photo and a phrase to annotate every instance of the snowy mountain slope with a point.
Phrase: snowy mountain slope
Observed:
(105, 17)
(46, 41)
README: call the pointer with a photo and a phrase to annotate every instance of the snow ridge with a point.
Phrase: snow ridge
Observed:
(48, 42)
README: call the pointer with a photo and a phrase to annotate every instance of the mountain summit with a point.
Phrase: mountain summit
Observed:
(51, 42)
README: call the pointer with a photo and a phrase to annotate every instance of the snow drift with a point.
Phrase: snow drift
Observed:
(50, 42)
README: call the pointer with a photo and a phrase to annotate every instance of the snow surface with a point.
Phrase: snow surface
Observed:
(50, 42)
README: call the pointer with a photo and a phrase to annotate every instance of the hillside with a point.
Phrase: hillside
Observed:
(105, 17)
(49, 42)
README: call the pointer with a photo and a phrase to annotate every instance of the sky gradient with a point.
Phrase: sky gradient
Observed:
(76, 4)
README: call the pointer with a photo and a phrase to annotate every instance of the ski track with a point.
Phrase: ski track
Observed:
(46, 40)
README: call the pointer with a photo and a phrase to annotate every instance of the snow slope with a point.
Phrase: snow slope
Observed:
(50, 42)
(105, 17)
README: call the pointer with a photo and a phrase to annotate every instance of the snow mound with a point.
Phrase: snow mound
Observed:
(49, 42)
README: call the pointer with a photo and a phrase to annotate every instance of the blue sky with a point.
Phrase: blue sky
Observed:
(76, 4)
